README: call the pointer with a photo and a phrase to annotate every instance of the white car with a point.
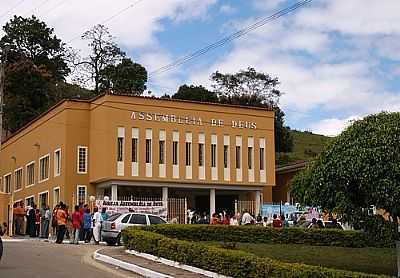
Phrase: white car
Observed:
(112, 227)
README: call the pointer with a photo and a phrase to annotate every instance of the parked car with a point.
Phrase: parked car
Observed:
(112, 227)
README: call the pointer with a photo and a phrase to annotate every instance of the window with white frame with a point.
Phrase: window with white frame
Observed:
(120, 149)
(148, 150)
(201, 154)
(250, 157)
(29, 201)
(226, 156)
(175, 153)
(81, 194)
(238, 157)
(7, 183)
(57, 162)
(44, 168)
(161, 152)
(30, 174)
(56, 196)
(18, 179)
(82, 159)
(262, 159)
(188, 153)
(134, 149)
(213, 155)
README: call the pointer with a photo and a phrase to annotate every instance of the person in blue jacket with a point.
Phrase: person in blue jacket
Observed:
(87, 225)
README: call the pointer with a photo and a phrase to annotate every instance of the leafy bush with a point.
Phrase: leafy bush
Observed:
(256, 234)
(227, 262)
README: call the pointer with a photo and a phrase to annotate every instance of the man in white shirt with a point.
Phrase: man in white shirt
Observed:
(247, 219)
(97, 219)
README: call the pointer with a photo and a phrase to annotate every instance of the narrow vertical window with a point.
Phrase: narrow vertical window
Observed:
(262, 159)
(82, 159)
(162, 152)
(18, 179)
(7, 183)
(226, 149)
(120, 150)
(213, 155)
(188, 153)
(238, 158)
(44, 168)
(201, 154)
(81, 195)
(250, 157)
(134, 149)
(175, 153)
(57, 163)
(56, 196)
(148, 150)
(30, 174)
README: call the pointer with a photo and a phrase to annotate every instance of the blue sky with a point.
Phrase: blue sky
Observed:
(337, 60)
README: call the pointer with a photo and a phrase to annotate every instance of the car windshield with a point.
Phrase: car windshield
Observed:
(114, 216)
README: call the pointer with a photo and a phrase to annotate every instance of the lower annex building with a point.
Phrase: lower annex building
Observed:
(118, 146)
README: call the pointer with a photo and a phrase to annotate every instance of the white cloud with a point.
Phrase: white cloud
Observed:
(266, 5)
(332, 126)
(227, 9)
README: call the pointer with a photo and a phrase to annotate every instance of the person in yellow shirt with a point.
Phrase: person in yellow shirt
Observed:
(61, 223)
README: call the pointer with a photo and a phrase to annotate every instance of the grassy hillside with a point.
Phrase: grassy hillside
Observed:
(306, 146)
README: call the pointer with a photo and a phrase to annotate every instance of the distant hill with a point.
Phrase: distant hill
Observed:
(306, 146)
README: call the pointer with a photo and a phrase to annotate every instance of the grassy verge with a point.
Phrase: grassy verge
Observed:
(367, 260)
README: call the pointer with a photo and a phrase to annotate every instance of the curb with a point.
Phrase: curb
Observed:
(177, 264)
(128, 266)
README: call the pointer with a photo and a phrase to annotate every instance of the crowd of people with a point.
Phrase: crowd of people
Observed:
(81, 224)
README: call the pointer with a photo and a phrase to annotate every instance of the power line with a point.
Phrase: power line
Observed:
(11, 9)
(111, 17)
(54, 7)
(230, 38)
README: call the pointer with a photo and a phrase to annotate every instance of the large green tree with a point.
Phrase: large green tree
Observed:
(30, 38)
(126, 77)
(35, 64)
(196, 93)
(359, 168)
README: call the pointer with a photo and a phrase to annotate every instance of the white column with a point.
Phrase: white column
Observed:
(258, 202)
(114, 192)
(212, 202)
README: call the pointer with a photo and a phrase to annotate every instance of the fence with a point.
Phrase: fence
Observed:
(242, 205)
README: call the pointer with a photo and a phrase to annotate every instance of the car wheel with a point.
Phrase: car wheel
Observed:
(110, 242)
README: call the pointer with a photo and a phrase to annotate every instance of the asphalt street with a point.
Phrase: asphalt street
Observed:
(36, 259)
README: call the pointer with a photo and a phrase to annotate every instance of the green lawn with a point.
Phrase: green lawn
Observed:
(368, 260)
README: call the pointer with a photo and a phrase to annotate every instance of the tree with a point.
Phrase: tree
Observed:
(26, 94)
(103, 52)
(247, 87)
(196, 93)
(252, 88)
(359, 168)
(126, 77)
(283, 139)
(30, 38)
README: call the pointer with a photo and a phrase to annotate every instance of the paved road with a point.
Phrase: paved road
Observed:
(35, 259)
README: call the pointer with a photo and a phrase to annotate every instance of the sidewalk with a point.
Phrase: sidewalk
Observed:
(120, 254)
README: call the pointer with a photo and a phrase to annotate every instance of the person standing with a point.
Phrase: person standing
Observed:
(76, 225)
(37, 222)
(32, 221)
(54, 221)
(87, 224)
(247, 219)
(276, 223)
(96, 225)
(61, 223)
(46, 222)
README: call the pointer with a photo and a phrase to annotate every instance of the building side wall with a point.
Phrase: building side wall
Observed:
(37, 140)
(283, 183)
(4, 201)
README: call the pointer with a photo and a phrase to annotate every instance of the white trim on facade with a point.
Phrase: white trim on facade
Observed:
(48, 197)
(149, 165)
(15, 179)
(135, 164)
(26, 175)
(121, 164)
(59, 195)
(59, 163)
(77, 193)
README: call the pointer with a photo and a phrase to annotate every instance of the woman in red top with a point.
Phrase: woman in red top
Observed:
(76, 225)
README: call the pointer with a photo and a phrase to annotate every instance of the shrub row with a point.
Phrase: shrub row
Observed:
(257, 234)
(226, 262)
